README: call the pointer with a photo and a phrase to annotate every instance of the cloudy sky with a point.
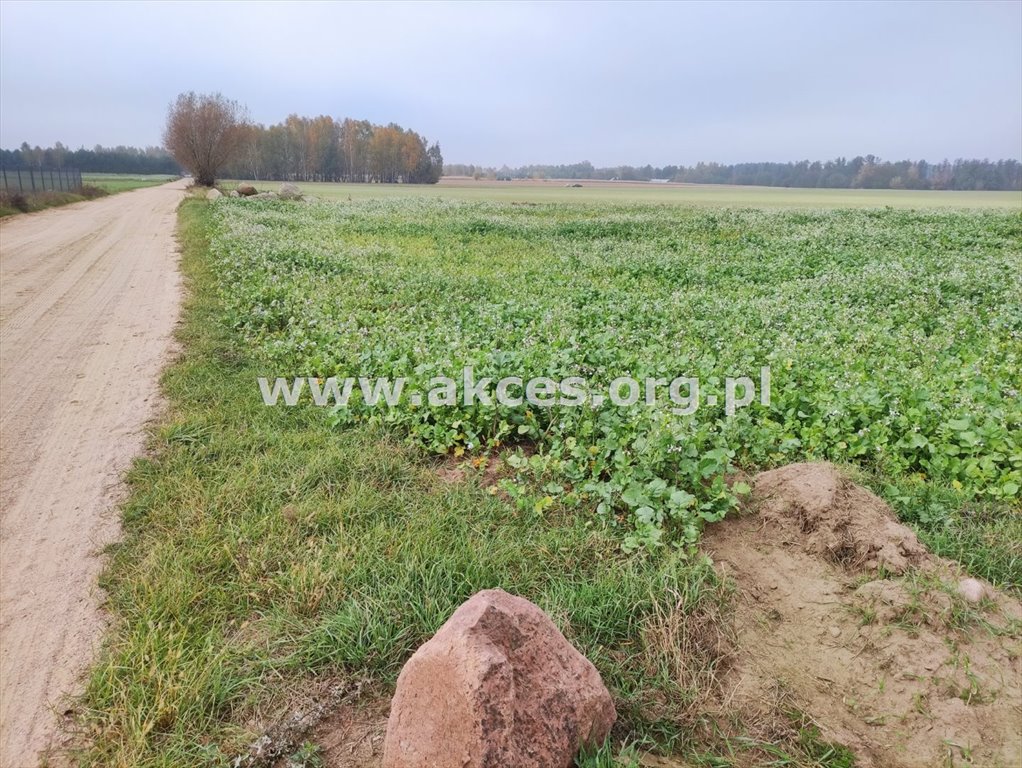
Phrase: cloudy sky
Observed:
(519, 83)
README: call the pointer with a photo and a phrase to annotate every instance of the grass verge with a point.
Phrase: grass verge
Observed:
(93, 186)
(17, 202)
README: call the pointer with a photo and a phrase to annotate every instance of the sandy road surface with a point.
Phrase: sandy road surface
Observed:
(89, 296)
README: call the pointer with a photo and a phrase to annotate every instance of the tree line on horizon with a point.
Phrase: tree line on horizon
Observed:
(868, 172)
(298, 149)
(211, 136)
(325, 149)
(99, 159)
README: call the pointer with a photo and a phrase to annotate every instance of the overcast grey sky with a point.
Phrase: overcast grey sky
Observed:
(537, 82)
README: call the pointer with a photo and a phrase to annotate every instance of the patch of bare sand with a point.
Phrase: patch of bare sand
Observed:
(345, 721)
(352, 737)
(843, 616)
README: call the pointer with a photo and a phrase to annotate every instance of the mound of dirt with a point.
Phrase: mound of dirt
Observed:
(844, 618)
(829, 516)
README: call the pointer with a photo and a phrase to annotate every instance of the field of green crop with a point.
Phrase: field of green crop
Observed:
(894, 340)
(124, 182)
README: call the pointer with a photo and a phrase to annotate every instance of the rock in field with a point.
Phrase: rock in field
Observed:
(246, 190)
(973, 590)
(234, 193)
(264, 196)
(214, 194)
(289, 191)
(498, 686)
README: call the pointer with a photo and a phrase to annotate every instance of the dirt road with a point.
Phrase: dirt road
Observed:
(89, 295)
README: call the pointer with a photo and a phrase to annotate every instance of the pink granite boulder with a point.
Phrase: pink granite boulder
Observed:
(498, 686)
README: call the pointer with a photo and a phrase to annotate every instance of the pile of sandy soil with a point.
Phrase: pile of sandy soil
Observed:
(843, 616)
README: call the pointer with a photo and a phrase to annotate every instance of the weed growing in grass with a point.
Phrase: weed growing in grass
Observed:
(606, 756)
(820, 752)
(25, 202)
(307, 756)
(16, 201)
(91, 192)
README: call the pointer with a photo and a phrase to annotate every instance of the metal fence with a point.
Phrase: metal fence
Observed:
(40, 179)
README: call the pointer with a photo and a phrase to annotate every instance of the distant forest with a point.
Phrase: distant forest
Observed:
(867, 172)
(151, 160)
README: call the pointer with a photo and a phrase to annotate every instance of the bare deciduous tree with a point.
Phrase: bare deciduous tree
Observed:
(204, 132)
